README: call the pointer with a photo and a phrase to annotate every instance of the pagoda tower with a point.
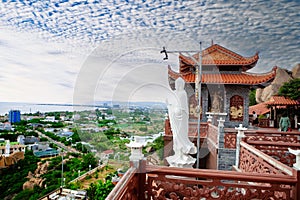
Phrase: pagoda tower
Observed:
(225, 83)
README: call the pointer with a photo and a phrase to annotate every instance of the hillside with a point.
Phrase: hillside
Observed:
(282, 76)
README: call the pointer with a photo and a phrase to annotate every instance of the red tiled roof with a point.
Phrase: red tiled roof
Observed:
(218, 55)
(260, 109)
(110, 151)
(217, 78)
(281, 100)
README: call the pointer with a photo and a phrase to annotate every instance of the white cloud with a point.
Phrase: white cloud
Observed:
(33, 70)
(43, 45)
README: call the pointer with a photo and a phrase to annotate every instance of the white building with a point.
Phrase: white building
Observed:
(5, 126)
(50, 119)
(7, 148)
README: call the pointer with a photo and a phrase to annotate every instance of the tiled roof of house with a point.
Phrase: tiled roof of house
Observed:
(216, 78)
(218, 55)
(109, 151)
(281, 100)
(260, 109)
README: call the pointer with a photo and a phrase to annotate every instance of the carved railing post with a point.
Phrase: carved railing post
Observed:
(209, 118)
(142, 180)
(297, 188)
(240, 135)
(297, 169)
(297, 154)
(220, 141)
(220, 145)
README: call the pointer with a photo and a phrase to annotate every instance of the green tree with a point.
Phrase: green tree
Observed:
(25, 194)
(88, 159)
(109, 111)
(100, 190)
(35, 120)
(252, 97)
(81, 147)
(291, 89)
(158, 146)
(75, 137)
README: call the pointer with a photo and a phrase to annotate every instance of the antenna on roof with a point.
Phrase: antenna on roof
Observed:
(212, 42)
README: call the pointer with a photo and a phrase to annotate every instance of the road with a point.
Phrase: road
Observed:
(59, 144)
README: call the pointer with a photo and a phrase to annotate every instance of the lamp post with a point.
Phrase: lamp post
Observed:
(198, 81)
(62, 168)
(199, 75)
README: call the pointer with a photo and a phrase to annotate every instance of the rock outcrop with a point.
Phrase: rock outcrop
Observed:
(35, 179)
(282, 76)
(11, 159)
(296, 71)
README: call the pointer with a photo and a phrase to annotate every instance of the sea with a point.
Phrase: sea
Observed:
(5, 107)
(26, 108)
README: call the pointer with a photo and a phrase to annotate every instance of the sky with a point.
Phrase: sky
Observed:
(63, 51)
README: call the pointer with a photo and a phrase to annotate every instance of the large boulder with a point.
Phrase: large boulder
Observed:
(30, 175)
(296, 71)
(28, 185)
(35, 179)
(282, 76)
(44, 167)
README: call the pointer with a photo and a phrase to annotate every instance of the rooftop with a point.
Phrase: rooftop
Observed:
(219, 55)
(216, 78)
(66, 194)
(281, 101)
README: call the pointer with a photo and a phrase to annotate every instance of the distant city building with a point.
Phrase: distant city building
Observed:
(111, 117)
(20, 139)
(46, 153)
(14, 116)
(50, 119)
(42, 149)
(76, 117)
(116, 106)
(36, 125)
(7, 148)
(105, 154)
(65, 134)
(31, 140)
(5, 126)
(40, 146)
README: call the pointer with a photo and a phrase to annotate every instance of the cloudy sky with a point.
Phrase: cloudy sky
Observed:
(63, 51)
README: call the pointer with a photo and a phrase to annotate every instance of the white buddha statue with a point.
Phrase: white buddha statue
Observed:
(179, 118)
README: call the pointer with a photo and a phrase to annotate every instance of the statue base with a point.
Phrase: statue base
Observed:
(181, 161)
